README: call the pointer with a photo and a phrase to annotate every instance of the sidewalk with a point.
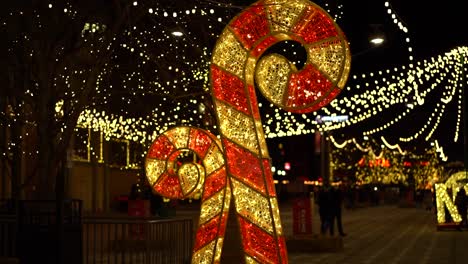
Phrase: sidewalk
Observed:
(388, 234)
(384, 234)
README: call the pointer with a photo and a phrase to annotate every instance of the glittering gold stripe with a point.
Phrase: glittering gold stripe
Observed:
(272, 76)
(205, 254)
(261, 139)
(328, 58)
(229, 54)
(347, 65)
(212, 207)
(191, 178)
(179, 136)
(219, 246)
(276, 216)
(214, 159)
(250, 70)
(252, 205)
(237, 126)
(250, 260)
(284, 13)
(154, 169)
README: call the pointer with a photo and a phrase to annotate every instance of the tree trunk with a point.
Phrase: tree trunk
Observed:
(16, 170)
(46, 135)
(3, 143)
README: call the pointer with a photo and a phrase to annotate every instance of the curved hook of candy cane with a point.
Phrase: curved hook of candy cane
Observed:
(177, 178)
(268, 22)
(237, 65)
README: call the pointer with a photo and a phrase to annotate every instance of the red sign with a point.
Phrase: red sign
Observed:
(302, 217)
(138, 208)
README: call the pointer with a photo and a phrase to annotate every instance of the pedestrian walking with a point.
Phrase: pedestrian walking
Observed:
(324, 201)
(337, 197)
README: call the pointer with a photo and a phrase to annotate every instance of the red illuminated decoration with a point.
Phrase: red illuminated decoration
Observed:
(377, 163)
(239, 164)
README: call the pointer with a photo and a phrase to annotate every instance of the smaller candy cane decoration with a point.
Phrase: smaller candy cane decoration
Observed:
(175, 178)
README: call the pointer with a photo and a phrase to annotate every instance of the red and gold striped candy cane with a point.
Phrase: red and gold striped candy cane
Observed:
(237, 61)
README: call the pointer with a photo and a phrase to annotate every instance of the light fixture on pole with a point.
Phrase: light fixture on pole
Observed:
(377, 35)
(177, 31)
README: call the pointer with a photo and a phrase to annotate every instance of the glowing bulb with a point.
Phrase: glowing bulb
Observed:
(377, 41)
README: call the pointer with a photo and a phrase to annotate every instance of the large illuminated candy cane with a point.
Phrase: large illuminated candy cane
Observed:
(236, 65)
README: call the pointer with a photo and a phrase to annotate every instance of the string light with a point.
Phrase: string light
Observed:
(377, 92)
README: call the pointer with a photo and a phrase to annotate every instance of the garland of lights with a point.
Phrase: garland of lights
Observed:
(431, 75)
(388, 166)
(403, 85)
(359, 107)
(438, 148)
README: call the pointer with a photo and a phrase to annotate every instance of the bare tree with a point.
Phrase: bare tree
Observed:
(53, 56)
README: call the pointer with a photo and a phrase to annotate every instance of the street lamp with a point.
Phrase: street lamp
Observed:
(177, 33)
(377, 35)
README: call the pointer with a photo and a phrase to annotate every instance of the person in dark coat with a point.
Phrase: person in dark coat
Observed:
(337, 196)
(324, 202)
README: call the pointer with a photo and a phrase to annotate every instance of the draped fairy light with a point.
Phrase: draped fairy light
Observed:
(439, 149)
(362, 106)
(242, 154)
(401, 26)
(442, 74)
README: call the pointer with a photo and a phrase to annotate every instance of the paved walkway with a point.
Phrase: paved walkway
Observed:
(388, 235)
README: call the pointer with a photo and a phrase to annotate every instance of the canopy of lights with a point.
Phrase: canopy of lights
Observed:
(157, 78)
(374, 94)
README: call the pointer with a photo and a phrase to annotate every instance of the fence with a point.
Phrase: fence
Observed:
(8, 233)
(30, 236)
(45, 235)
(127, 240)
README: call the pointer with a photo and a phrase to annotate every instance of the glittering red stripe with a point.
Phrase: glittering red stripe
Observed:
(283, 251)
(251, 25)
(269, 178)
(199, 142)
(307, 87)
(169, 186)
(315, 25)
(214, 183)
(244, 165)
(253, 102)
(206, 233)
(258, 243)
(323, 102)
(262, 46)
(161, 148)
(229, 88)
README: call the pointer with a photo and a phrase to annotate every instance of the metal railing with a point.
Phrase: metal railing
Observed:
(127, 240)
(92, 239)
(8, 234)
